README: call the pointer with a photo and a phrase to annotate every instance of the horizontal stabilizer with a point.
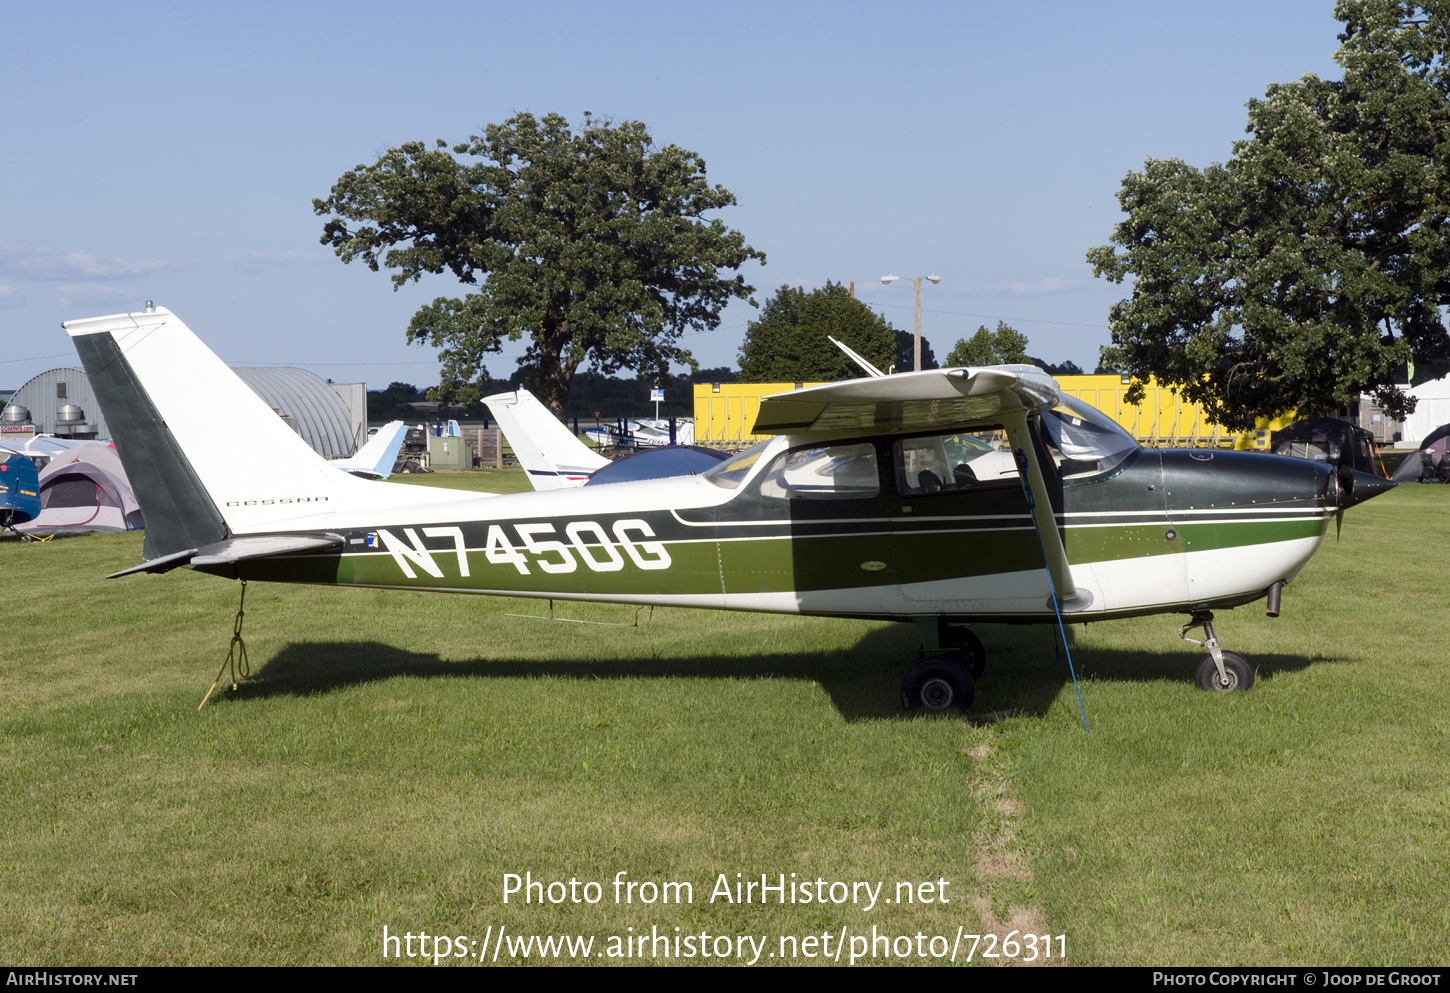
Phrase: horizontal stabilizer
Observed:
(163, 564)
(242, 549)
(265, 546)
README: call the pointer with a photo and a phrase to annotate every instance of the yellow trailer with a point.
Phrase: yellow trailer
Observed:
(725, 414)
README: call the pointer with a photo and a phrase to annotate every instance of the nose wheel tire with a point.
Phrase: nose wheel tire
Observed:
(937, 684)
(1240, 674)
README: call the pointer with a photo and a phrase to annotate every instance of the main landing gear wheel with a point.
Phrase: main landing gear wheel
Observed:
(937, 684)
(1240, 675)
(974, 653)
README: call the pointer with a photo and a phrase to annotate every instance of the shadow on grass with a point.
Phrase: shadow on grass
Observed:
(862, 681)
(1031, 685)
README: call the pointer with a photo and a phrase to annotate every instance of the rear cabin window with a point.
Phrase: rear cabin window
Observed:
(829, 472)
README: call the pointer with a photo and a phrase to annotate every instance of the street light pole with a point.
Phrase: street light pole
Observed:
(916, 284)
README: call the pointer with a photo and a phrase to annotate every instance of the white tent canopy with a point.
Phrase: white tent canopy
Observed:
(1432, 408)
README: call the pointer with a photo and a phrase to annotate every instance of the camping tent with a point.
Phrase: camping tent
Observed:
(1429, 463)
(85, 489)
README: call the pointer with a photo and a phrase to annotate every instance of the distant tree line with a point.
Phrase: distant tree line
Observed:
(617, 396)
(789, 342)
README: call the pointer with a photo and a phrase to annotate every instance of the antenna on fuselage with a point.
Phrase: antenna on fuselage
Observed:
(871, 370)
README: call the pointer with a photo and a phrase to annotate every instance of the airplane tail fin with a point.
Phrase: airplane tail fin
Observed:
(375, 460)
(179, 512)
(549, 452)
(207, 458)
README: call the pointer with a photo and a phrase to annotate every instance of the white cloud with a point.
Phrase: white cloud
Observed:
(10, 297)
(28, 262)
(253, 262)
(1042, 287)
(95, 294)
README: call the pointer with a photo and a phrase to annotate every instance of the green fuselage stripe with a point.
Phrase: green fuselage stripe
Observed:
(875, 555)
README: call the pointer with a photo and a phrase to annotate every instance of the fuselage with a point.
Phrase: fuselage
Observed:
(854, 528)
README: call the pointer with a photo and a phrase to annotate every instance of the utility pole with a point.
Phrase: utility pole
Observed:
(916, 283)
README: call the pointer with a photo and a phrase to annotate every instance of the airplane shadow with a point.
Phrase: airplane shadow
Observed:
(1030, 680)
(1024, 674)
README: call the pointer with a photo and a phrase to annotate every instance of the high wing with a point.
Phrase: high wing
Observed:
(910, 401)
(549, 452)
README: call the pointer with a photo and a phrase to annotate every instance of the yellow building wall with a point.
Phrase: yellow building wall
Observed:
(725, 414)
(1164, 419)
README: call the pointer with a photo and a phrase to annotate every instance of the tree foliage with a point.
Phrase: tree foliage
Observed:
(788, 342)
(1066, 368)
(1004, 346)
(590, 243)
(906, 352)
(1315, 262)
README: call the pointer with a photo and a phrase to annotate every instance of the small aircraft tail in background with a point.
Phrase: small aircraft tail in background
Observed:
(375, 460)
(549, 452)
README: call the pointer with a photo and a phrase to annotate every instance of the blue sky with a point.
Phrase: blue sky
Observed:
(171, 151)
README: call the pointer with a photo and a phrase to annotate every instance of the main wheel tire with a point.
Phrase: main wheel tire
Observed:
(937, 684)
(974, 653)
(1235, 666)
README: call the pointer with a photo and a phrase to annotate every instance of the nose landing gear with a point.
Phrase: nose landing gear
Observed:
(1221, 671)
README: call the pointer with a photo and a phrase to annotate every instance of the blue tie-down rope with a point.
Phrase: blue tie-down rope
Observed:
(1021, 458)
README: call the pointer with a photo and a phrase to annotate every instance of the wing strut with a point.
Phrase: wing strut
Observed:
(1040, 504)
(1062, 591)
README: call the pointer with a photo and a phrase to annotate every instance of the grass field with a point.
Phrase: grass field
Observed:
(394, 755)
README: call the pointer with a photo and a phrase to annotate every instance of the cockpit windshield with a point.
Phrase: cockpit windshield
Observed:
(1088, 439)
(728, 474)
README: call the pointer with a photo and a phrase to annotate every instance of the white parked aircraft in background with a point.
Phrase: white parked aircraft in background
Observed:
(549, 452)
(375, 460)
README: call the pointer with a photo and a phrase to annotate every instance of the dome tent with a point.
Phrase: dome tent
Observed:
(85, 489)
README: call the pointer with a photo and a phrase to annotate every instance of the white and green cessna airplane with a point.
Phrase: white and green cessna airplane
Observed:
(877, 498)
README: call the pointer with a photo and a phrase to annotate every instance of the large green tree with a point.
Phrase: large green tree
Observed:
(1004, 346)
(590, 243)
(1313, 264)
(788, 342)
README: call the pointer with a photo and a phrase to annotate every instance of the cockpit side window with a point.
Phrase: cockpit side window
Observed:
(827, 472)
(946, 463)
